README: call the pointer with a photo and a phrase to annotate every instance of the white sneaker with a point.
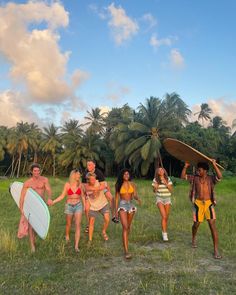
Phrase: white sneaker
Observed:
(165, 237)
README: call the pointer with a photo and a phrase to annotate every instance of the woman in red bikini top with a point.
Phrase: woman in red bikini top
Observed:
(73, 208)
(72, 189)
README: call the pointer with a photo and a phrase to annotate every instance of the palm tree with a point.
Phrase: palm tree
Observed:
(18, 143)
(140, 141)
(3, 141)
(71, 130)
(204, 113)
(72, 134)
(95, 121)
(35, 135)
(51, 143)
(234, 124)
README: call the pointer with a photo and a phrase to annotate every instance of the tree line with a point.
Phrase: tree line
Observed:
(122, 137)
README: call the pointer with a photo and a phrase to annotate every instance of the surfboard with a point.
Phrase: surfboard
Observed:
(35, 209)
(185, 152)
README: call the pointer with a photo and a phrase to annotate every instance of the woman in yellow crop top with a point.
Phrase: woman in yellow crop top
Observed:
(126, 192)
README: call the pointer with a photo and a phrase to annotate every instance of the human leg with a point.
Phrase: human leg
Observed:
(106, 218)
(86, 209)
(78, 218)
(125, 229)
(194, 233)
(164, 217)
(91, 227)
(212, 225)
(32, 238)
(69, 218)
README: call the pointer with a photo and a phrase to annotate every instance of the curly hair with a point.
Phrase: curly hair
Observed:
(120, 179)
(203, 165)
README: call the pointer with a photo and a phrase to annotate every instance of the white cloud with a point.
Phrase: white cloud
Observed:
(102, 13)
(176, 59)
(29, 41)
(122, 26)
(78, 77)
(12, 110)
(223, 107)
(117, 92)
(150, 20)
(156, 43)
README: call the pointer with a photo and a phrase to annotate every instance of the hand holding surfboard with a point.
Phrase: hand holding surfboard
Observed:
(186, 153)
(35, 210)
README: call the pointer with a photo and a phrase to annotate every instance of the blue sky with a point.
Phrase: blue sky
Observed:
(59, 59)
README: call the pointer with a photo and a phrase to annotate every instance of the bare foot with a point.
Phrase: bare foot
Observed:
(194, 244)
(105, 236)
(217, 255)
(128, 256)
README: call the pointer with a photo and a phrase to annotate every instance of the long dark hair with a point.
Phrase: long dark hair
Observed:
(120, 179)
(157, 177)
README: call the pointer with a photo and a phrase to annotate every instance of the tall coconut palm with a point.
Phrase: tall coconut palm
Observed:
(71, 131)
(90, 146)
(95, 120)
(140, 141)
(3, 141)
(51, 143)
(204, 113)
(234, 126)
(72, 134)
(35, 135)
(18, 142)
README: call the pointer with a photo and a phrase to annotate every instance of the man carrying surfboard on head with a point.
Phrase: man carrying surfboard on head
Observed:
(202, 197)
(41, 185)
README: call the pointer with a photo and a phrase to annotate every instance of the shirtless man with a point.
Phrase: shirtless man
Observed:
(41, 185)
(202, 197)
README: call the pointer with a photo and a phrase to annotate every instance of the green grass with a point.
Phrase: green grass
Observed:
(156, 267)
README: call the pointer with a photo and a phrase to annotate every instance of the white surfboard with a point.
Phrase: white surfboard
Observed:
(35, 209)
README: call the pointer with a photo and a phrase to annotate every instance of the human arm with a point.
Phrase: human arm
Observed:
(217, 170)
(22, 196)
(62, 195)
(116, 204)
(48, 189)
(168, 183)
(136, 194)
(183, 173)
(155, 185)
(83, 195)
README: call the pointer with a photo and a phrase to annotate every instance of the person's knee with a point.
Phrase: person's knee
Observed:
(164, 218)
(106, 217)
(125, 227)
(212, 223)
(196, 225)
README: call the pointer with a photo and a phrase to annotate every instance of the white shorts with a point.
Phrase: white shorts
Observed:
(164, 201)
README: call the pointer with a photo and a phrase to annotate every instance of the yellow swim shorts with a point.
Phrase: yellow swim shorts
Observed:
(203, 209)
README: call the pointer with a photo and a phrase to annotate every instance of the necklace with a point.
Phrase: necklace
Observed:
(202, 180)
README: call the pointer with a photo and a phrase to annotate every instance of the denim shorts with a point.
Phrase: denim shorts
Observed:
(127, 206)
(105, 209)
(164, 201)
(73, 208)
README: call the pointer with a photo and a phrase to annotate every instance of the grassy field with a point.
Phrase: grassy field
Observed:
(156, 267)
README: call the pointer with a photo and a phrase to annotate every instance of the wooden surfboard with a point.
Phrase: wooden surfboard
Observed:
(185, 152)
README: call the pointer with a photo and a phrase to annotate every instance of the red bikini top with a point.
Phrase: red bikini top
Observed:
(70, 192)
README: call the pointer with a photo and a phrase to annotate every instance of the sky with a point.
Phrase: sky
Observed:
(60, 59)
